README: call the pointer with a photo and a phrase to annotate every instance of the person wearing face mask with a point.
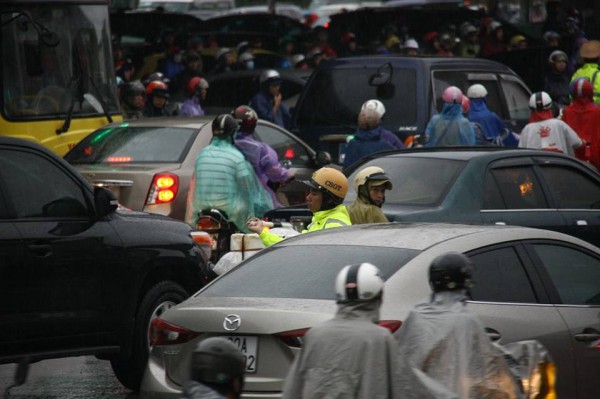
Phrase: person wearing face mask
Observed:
(245, 61)
(370, 184)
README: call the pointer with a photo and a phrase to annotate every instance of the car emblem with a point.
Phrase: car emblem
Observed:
(232, 322)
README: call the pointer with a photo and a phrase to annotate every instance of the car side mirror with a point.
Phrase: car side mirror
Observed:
(105, 201)
(322, 158)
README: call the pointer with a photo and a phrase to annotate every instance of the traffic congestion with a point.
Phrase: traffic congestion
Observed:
(221, 199)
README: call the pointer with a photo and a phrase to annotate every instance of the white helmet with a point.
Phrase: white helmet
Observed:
(372, 173)
(540, 101)
(270, 75)
(477, 91)
(358, 283)
(375, 105)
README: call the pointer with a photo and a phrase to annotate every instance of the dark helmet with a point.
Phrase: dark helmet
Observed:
(224, 125)
(157, 88)
(132, 89)
(217, 360)
(247, 117)
(156, 76)
(450, 272)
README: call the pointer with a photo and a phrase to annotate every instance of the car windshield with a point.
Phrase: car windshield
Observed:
(330, 101)
(124, 144)
(303, 271)
(416, 180)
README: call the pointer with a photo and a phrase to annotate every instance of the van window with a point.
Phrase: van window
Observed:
(517, 98)
(334, 96)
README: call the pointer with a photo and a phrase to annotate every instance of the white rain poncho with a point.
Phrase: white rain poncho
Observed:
(444, 352)
(224, 180)
(346, 357)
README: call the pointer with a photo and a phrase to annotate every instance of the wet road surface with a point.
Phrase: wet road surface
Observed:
(77, 377)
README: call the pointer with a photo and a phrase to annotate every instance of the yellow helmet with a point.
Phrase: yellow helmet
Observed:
(372, 174)
(331, 181)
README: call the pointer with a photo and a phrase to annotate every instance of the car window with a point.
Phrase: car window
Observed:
(334, 97)
(500, 277)
(514, 187)
(571, 188)
(38, 187)
(416, 181)
(288, 150)
(575, 274)
(307, 271)
(517, 99)
(444, 79)
(124, 144)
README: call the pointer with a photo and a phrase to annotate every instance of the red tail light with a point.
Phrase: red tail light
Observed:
(163, 333)
(392, 325)
(293, 338)
(289, 153)
(163, 189)
(207, 223)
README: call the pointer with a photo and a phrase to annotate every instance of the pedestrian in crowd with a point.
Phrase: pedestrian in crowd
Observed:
(557, 80)
(287, 49)
(196, 89)
(518, 42)
(299, 62)
(583, 116)
(245, 61)
(469, 45)
(156, 76)
(217, 369)
(262, 157)
(480, 138)
(590, 53)
(314, 57)
(224, 180)
(133, 100)
(126, 71)
(349, 356)
(493, 42)
(172, 64)
(410, 48)
(348, 46)
(552, 38)
(370, 184)
(391, 40)
(544, 132)
(327, 189)
(158, 95)
(321, 41)
(443, 350)
(192, 68)
(268, 101)
(447, 45)
(224, 61)
(386, 135)
(492, 126)
(367, 138)
(450, 127)
(431, 43)
(573, 38)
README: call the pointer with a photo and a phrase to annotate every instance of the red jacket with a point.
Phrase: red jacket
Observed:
(583, 116)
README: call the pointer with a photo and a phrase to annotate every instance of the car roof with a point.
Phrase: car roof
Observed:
(420, 236)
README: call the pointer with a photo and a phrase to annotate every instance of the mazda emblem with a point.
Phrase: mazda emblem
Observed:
(232, 322)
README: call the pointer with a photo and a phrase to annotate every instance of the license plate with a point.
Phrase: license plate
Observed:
(249, 348)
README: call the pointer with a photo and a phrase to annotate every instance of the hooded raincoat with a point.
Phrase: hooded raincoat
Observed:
(264, 161)
(335, 217)
(365, 142)
(224, 180)
(583, 116)
(491, 124)
(362, 210)
(444, 352)
(449, 127)
(346, 357)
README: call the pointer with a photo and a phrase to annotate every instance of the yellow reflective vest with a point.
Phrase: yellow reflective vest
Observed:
(591, 72)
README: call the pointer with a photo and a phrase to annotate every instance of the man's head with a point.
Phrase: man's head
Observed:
(558, 60)
(219, 364)
(540, 101)
(451, 271)
(224, 127)
(371, 182)
(477, 91)
(270, 81)
(158, 93)
(358, 283)
(197, 87)
(134, 94)
(368, 119)
(328, 188)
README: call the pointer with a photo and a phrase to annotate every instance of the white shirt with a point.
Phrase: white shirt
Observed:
(550, 135)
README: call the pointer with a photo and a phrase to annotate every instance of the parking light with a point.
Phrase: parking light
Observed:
(163, 189)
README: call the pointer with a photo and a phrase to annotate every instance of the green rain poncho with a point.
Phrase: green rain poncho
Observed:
(224, 180)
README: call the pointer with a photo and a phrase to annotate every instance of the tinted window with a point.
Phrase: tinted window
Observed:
(335, 96)
(575, 274)
(517, 99)
(133, 144)
(499, 277)
(572, 188)
(416, 181)
(302, 271)
(287, 149)
(39, 188)
(518, 187)
(443, 79)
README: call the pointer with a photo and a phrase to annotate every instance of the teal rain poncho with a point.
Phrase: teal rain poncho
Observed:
(449, 127)
(224, 180)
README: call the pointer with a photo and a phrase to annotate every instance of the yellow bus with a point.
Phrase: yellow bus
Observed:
(58, 80)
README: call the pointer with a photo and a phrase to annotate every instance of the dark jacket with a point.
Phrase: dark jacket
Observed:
(365, 142)
(557, 86)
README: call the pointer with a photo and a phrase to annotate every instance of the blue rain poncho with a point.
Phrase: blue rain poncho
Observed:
(492, 125)
(449, 128)
(224, 180)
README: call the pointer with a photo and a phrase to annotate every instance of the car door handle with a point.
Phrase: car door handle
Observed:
(587, 337)
(493, 334)
(581, 222)
(41, 250)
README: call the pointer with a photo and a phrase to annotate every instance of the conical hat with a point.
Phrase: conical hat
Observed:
(590, 49)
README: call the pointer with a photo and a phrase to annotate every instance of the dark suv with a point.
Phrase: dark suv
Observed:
(76, 276)
(409, 87)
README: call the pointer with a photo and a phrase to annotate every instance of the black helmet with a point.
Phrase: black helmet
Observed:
(132, 89)
(217, 360)
(451, 271)
(156, 76)
(224, 125)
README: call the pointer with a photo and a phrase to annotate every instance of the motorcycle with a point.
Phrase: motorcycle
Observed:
(220, 228)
